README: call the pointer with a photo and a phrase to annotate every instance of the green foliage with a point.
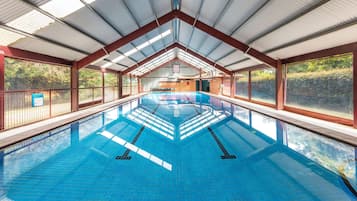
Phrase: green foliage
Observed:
(89, 78)
(324, 64)
(110, 79)
(20, 75)
(264, 74)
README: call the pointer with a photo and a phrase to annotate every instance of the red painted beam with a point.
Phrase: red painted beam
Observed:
(74, 88)
(232, 83)
(355, 89)
(126, 39)
(120, 85)
(279, 87)
(147, 59)
(195, 54)
(227, 39)
(32, 56)
(2, 90)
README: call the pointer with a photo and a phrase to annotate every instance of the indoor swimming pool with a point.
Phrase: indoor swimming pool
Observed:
(178, 146)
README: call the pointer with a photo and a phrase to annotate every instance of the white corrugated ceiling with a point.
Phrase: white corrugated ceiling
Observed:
(268, 25)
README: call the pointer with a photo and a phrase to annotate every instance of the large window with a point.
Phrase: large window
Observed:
(24, 80)
(90, 86)
(126, 85)
(322, 85)
(134, 85)
(242, 79)
(110, 87)
(263, 85)
(226, 86)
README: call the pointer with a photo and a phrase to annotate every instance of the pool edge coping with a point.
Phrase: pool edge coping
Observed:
(332, 130)
(13, 136)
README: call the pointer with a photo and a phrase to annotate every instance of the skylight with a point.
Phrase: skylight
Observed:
(62, 8)
(143, 45)
(8, 37)
(34, 20)
(30, 22)
(155, 63)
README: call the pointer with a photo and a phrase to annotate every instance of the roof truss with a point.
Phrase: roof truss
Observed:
(181, 47)
(188, 19)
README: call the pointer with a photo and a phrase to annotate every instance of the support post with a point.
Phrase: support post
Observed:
(103, 91)
(139, 85)
(130, 78)
(279, 87)
(249, 85)
(120, 85)
(232, 86)
(200, 81)
(355, 89)
(74, 87)
(2, 91)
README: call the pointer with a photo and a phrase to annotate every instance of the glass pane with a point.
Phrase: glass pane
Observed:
(322, 85)
(24, 75)
(110, 80)
(89, 78)
(242, 84)
(125, 85)
(263, 85)
(134, 85)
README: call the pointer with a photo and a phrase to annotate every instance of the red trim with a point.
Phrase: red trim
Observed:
(2, 90)
(84, 105)
(126, 39)
(241, 98)
(263, 103)
(355, 89)
(352, 47)
(103, 87)
(120, 85)
(279, 87)
(74, 88)
(232, 86)
(227, 39)
(249, 85)
(32, 56)
(330, 118)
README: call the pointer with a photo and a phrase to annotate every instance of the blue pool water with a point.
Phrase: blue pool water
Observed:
(178, 146)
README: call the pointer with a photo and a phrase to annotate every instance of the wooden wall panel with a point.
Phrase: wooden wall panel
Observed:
(215, 85)
(180, 86)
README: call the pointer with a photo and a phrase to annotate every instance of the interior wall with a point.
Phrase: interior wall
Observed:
(215, 85)
(181, 85)
(165, 74)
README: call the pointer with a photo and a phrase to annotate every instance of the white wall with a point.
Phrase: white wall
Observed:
(153, 79)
